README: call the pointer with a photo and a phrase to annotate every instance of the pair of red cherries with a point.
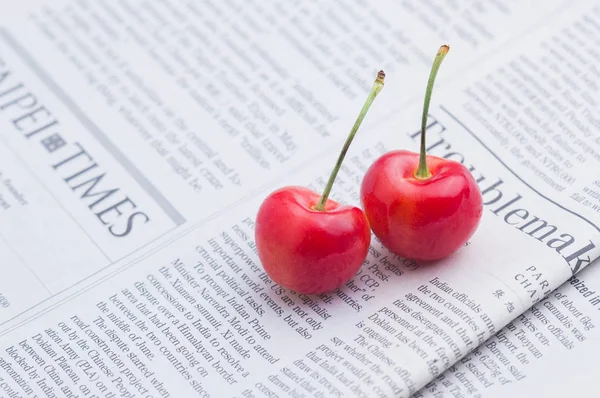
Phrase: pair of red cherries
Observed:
(419, 206)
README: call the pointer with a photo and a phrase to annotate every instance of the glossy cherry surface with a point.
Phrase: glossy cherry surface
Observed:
(307, 250)
(421, 219)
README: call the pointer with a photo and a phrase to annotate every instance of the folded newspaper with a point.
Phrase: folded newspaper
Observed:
(138, 139)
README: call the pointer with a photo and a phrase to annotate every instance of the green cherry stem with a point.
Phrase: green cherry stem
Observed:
(377, 87)
(423, 171)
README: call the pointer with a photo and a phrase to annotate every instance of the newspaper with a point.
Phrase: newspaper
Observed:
(139, 138)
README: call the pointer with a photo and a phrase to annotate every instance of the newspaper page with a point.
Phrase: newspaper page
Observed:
(572, 308)
(199, 316)
(557, 333)
(122, 122)
(554, 339)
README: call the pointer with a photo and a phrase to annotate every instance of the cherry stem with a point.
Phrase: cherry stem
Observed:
(377, 87)
(423, 171)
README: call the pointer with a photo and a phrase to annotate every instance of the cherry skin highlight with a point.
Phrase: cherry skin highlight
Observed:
(422, 219)
(306, 250)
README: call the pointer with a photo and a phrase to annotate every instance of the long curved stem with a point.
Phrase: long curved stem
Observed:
(423, 170)
(377, 87)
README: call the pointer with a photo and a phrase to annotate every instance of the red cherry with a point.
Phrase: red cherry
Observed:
(421, 207)
(421, 219)
(306, 250)
(307, 242)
